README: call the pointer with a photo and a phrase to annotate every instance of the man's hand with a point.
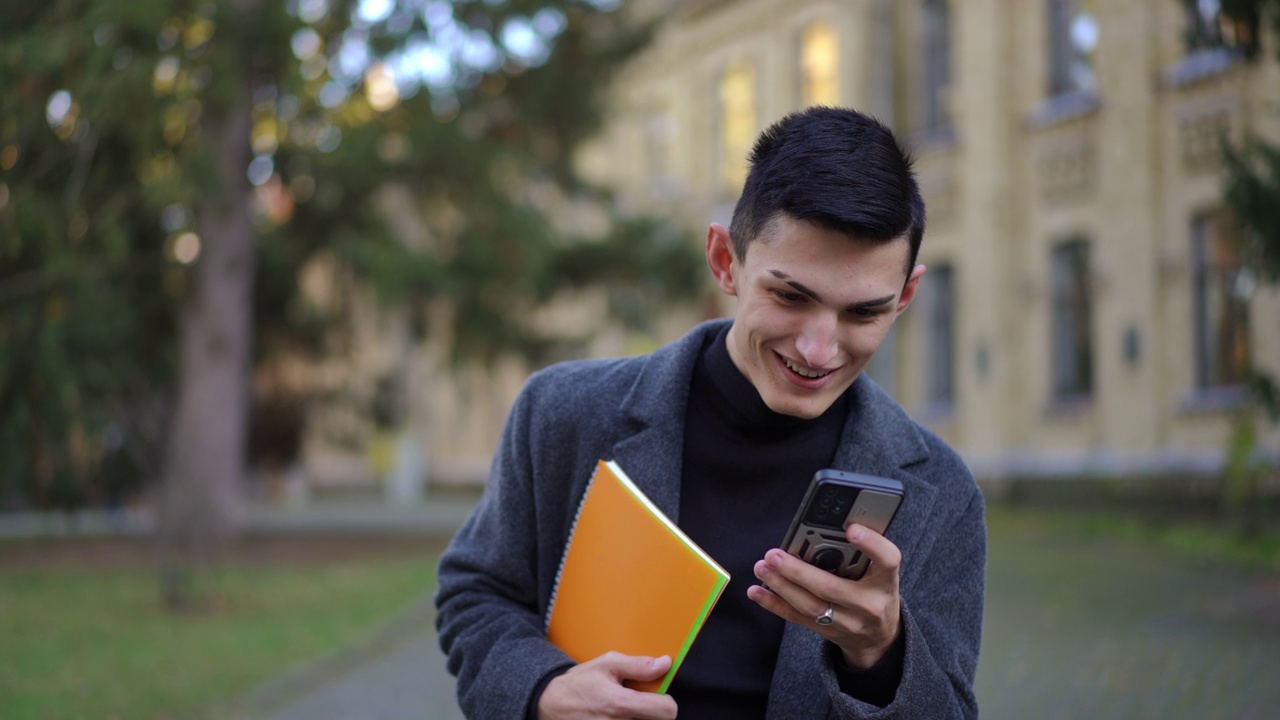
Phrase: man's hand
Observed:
(867, 611)
(594, 690)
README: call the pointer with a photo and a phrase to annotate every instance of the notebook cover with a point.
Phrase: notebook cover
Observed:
(630, 580)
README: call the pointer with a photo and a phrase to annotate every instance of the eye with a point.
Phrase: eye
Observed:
(789, 296)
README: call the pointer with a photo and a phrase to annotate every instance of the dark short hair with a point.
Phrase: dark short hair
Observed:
(836, 168)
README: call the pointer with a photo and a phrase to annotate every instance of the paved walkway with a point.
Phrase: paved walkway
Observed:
(1075, 627)
(408, 682)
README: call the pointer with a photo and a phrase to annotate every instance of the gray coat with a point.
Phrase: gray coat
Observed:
(496, 577)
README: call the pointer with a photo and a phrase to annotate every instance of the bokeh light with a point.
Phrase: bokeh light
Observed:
(58, 107)
(260, 169)
(186, 248)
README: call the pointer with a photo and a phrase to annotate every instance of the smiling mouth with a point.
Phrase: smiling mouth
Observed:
(805, 372)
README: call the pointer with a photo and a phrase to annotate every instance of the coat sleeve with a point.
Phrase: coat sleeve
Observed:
(492, 581)
(942, 626)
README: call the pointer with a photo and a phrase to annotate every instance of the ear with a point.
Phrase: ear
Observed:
(909, 290)
(721, 258)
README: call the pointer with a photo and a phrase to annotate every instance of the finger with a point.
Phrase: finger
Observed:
(802, 581)
(791, 580)
(774, 603)
(884, 555)
(634, 667)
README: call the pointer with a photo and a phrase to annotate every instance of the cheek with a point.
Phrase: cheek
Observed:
(864, 340)
(768, 322)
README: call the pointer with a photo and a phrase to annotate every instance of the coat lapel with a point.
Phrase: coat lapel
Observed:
(652, 445)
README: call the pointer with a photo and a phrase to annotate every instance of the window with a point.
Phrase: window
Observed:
(937, 301)
(936, 46)
(819, 66)
(1071, 347)
(737, 123)
(1073, 37)
(1221, 288)
(1209, 27)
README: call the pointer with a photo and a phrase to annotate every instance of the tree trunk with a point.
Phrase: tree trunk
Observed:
(204, 461)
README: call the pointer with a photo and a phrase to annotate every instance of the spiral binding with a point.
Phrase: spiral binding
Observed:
(577, 514)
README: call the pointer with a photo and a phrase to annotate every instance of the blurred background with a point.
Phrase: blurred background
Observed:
(271, 274)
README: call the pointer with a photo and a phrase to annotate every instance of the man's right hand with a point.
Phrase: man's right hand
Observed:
(594, 690)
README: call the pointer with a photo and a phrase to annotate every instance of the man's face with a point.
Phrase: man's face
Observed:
(813, 307)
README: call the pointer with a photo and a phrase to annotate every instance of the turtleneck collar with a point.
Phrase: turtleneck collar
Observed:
(743, 407)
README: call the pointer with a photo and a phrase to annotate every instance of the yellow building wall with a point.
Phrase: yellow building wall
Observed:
(1021, 172)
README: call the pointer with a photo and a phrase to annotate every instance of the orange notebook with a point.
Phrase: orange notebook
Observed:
(630, 580)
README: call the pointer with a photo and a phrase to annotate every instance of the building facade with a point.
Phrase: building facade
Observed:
(1085, 310)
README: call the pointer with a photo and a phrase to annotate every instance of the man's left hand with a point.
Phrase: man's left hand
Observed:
(867, 612)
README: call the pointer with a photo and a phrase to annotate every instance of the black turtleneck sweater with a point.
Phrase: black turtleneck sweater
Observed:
(746, 469)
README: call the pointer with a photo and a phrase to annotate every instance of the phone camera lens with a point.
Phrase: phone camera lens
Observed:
(827, 558)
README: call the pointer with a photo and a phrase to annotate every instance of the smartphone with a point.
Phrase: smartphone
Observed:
(835, 500)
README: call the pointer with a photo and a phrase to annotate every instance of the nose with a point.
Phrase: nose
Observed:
(816, 341)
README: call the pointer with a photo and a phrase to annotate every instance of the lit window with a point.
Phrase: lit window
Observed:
(936, 46)
(1071, 347)
(820, 66)
(1221, 288)
(1073, 38)
(737, 123)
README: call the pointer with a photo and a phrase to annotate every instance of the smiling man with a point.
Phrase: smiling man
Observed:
(723, 429)
(812, 308)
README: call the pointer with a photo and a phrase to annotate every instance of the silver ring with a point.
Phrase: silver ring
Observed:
(827, 617)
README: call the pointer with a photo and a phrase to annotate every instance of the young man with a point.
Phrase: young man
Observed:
(724, 429)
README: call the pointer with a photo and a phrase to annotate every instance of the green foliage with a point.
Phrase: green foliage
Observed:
(109, 115)
(84, 288)
(1253, 14)
(1251, 186)
(1267, 393)
(644, 264)
(1251, 190)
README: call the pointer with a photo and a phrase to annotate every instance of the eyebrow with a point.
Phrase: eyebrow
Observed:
(807, 292)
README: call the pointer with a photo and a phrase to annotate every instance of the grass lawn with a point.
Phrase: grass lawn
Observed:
(1205, 540)
(87, 638)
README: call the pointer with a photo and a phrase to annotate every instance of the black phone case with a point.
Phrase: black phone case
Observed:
(835, 500)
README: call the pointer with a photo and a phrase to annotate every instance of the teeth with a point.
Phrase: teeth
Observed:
(803, 372)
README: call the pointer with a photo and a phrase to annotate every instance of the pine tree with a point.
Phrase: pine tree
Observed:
(168, 167)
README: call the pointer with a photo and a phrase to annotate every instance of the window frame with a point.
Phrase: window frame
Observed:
(935, 67)
(1065, 58)
(939, 336)
(1072, 356)
(1210, 359)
